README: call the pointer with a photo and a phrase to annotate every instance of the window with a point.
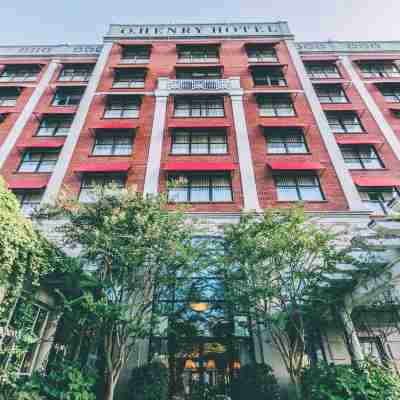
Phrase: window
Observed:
(396, 113)
(38, 161)
(135, 54)
(261, 53)
(295, 188)
(331, 94)
(29, 200)
(77, 73)
(391, 93)
(2, 117)
(55, 125)
(199, 142)
(322, 70)
(372, 347)
(379, 69)
(129, 78)
(270, 76)
(91, 181)
(68, 96)
(20, 73)
(199, 106)
(8, 97)
(361, 157)
(198, 54)
(200, 188)
(26, 320)
(122, 107)
(113, 143)
(344, 122)
(286, 141)
(276, 106)
(198, 73)
(377, 200)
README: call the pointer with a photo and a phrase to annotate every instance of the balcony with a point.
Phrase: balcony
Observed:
(199, 84)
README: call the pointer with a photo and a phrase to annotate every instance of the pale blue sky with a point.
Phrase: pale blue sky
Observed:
(86, 21)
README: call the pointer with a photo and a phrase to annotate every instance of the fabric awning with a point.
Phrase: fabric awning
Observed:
(199, 166)
(42, 144)
(359, 141)
(294, 165)
(129, 66)
(103, 167)
(201, 123)
(376, 181)
(271, 125)
(24, 183)
(116, 125)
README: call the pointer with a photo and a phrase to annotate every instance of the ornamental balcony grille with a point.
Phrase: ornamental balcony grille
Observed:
(199, 84)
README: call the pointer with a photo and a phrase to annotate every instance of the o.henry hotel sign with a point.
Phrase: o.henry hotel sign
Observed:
(199, 30)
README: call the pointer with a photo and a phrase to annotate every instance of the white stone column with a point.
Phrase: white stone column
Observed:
(67, 151)
(156, 140)
(372, 107)
(247, 175)
(350, 191)
(26, 113)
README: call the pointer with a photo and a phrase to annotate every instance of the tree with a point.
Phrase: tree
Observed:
(277, 262)
(130, 243)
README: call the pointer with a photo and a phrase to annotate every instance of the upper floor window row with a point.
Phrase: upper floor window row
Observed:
(38, 161)
(129, 78)
(322, 69)
(285, 141)
(199, 73)
(211, 106)
(113, 143)
(378, 200)
(90, 182)
(135, 54)
(379, 69)
(331, 93)
(276, 106)
(268, 76)
(20, 73)
(344, 122)
(261, 52)
(121, 106)
(68, 96)
(55, 125)
(9, 96)
(391, 92)
(76, 73)
(198, 53)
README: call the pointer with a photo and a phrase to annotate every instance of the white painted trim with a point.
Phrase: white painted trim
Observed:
(156, 141)
(372, 107)
(26, 113)
(67, 151)
(350, 191)
(249, 188)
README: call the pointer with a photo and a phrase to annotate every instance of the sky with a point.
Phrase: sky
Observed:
(43, 22)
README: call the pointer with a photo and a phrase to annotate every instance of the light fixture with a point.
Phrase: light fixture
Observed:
(199, 307)
(211, 364)
(189, 364)
(236, 364)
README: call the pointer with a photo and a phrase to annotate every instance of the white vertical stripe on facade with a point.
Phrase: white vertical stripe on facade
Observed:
(26, 113)
(373, 108)
(350, 191)
(67, 151)
(247, 175)
(156, 140)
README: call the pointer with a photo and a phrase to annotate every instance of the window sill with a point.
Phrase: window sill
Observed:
(109, 155)
(107, 118)
(50, 136)
(197, 117)
(195, 154)
(202, 202)
(367, 169)
(302, 201)
(290, 154)
(33, 173)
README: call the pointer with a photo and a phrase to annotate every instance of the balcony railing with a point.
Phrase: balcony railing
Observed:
(199, 84)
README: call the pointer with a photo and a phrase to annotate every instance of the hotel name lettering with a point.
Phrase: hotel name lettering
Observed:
(261, 29)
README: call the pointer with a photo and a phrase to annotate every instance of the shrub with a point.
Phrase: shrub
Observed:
(150, 382)
(63, 382)
(332, 382)
(255, 382)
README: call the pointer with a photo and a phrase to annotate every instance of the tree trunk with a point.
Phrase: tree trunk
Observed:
(260, 343)
(109, 389)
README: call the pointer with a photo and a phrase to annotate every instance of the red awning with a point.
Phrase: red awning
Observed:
(116, 125)
(376, 181)
(104, 167)
(282, 125)
(42, 144)
(359, 141)
(199, 166)
(201, 123)
(129, 66)
(294, 165)
(25, 183)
